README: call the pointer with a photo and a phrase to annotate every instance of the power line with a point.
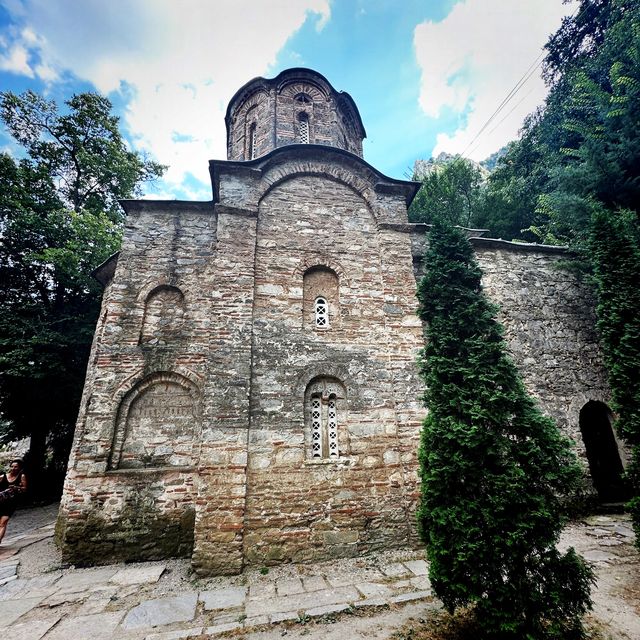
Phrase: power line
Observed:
(515, 106)
(533, 67)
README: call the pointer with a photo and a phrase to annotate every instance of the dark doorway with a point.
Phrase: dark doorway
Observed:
(602, 452)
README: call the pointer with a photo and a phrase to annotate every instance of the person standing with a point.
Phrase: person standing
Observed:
(12, 484)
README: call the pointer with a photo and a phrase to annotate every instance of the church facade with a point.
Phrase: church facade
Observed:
(252, 395)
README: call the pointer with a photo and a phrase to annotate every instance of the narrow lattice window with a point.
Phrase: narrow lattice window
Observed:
(316, 428)
(252, 141)
(324, 427)
(322, 313)
(303, 128)
(332, 427)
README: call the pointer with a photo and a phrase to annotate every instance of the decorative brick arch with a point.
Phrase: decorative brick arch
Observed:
(187, 412)
(312, 260)
(277, 174)
(326, 370)
(157, 283)
(293, 88)
(164, 315)
(252, 101)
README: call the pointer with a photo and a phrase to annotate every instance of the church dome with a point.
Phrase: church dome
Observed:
(298, 106)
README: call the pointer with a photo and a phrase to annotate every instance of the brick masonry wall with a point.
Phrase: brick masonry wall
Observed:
(274, 107)
(194, 435)
(362, 501)
(107, 508)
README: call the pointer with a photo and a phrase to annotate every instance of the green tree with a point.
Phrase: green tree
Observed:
(508, 202)
(616, 258)
(59, 220)
(449, 192)
(83, 150)
(492, 466)
(576, 171)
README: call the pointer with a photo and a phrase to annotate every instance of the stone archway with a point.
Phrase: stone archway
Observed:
(605, 464)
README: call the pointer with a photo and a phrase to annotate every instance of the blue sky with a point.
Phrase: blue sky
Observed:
(426, 74)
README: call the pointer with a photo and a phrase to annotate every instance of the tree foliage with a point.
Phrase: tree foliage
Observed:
(59, 220)
(574, 176)
(83, 150)
(492, 466)
(449, 192)
(616, 259)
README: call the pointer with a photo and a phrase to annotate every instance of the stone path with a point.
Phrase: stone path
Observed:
(118, 601)
(140, 601)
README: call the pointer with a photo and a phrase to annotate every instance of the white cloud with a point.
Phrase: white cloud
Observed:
(16, 60)
(474, 57)
(180, 62)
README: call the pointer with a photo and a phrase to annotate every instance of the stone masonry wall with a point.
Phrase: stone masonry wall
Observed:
(550, 325)
(130, 491)
(300, 508)
(210, 379)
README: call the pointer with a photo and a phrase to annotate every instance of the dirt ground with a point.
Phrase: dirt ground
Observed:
(606, 541)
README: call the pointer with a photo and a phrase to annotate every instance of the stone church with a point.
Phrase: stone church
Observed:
(252, 395)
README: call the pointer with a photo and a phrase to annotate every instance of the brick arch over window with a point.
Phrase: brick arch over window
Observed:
(276, 175)
(164, 315)
(157, 424)
(321, 298)
(246, 121)
(325, 404)
(295, 89)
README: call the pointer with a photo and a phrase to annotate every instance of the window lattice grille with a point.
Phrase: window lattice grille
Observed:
(303, 129)
(316, 428)
(332, 428)
(252, 142)
(324, 427)
(322, 313)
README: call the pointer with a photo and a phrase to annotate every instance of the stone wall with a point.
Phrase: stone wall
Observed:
(548, 314)
(221, 420)
(196, 418)
(274, 108)
(359, 501)
(138, 435)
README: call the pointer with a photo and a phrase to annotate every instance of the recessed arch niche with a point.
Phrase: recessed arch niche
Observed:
(157, 424)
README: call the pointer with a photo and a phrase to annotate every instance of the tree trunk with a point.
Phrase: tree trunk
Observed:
(35, 461)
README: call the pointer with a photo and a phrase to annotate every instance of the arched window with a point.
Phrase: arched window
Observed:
(325, 400)
(250, 129)
(322, 313)
(321, 305)
(252, 141)
(303, 128)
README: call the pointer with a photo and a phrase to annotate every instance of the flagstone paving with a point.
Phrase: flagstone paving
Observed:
(138, 601)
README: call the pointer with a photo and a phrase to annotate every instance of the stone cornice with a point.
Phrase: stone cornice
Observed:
(312, 153)
(166, 206)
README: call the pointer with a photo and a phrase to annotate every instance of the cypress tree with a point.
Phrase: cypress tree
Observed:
(492, 466)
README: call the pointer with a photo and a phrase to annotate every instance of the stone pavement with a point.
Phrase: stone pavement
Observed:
(140, 601)
(127, 601)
